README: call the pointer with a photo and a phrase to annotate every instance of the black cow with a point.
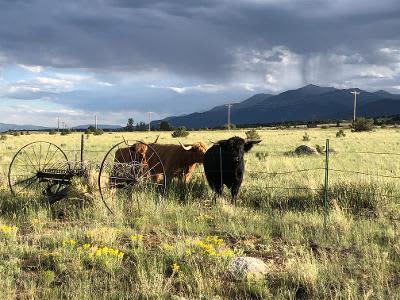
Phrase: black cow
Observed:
(227, 155)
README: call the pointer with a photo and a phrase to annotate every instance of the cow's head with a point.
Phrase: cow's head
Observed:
(196, 151)
(139, 152)
(235, 147)
(248, 144)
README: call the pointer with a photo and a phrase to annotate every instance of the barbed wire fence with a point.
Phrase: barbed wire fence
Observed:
(94, 164)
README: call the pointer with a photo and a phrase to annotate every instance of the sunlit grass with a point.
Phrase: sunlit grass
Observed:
(181, 246)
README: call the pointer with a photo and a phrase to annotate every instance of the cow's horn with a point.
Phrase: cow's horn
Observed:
(252, 141)
(185, 147)
(126, 142)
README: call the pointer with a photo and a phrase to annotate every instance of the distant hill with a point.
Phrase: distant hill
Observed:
(6, 127)
(217, 115)
(308, 103)
(100, 126)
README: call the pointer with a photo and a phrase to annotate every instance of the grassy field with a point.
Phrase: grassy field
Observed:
(181, 247)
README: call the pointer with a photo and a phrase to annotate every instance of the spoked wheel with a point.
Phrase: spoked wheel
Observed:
(38, 166)
(128, 170)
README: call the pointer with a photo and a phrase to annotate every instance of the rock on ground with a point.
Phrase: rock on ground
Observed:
(305, 150)
(247, 267)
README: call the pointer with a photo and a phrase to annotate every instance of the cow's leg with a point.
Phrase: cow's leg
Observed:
(182, 187)
(234, 191)
(217, 188)
(188, 172)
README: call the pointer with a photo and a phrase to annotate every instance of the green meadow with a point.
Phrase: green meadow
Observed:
(180, 247)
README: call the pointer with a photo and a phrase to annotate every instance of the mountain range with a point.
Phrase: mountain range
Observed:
(6, 127)
(100, 126)
(14, 127)
(308, 103)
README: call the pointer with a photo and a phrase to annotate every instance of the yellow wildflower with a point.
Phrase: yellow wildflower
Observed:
(136, 237)
(8, 230)
(167, 247)
(175, 268)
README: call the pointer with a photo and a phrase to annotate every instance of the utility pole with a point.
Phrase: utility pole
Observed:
(58, 124)
(149, 117)
(95, 121)
(355, 93)
(229, 115)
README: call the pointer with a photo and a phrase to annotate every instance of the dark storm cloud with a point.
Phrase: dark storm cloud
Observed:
(245, 47)
(186, 37)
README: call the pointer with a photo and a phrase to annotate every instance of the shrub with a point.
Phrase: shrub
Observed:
(262, 155)
(3, 137)
(252, 134)
(324, 127)
(340, 133)
(363, 124)
(180, 132)
(320, 149)
(66, 131)
(233, 126)
(306, 137)
(312, 125)
(52, 132)
(165, 126)
(98, 132)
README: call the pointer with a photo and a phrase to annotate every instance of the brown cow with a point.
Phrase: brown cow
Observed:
(178, 160)
(129, 163)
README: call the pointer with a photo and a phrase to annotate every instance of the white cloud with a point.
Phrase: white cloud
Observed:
(35, 88)
(372, 73)
(33, 69)
(104, 83)
(269, 79)
(205, 88)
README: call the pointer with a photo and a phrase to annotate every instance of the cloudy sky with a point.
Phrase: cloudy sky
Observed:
(122, 58)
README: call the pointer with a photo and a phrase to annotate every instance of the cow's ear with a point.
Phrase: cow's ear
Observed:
(249, 144)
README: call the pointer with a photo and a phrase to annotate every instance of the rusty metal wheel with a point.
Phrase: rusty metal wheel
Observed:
(129, 169)
(38, 166)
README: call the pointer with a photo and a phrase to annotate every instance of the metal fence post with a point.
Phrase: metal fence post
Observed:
(220, 164)
(82, 149)
(326, 187)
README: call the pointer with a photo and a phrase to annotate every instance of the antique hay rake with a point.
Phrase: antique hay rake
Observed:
(43, 167)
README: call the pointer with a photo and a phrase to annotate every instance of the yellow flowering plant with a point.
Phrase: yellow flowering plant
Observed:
(136, 239)
(175, 268)
(209, 247)
(8, 232)
(107, 257)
